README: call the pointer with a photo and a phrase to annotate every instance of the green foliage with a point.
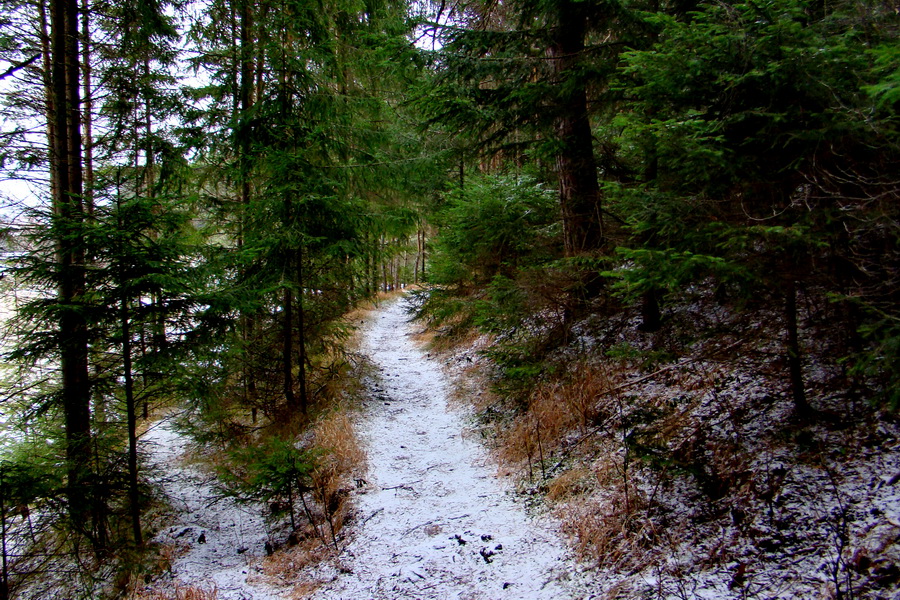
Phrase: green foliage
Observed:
(503, 308)
(493, 226)
(647, 359)
(739, 82)
(887, 63)
(27, 477)
(273, 469)
(669, 270)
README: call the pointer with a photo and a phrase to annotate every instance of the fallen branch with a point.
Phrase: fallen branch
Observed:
(406, 486)
(372, 516)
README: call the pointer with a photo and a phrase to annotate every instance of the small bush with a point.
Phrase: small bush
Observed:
(492, 226)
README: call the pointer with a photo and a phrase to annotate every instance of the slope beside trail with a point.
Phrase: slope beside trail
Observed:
(434, 521)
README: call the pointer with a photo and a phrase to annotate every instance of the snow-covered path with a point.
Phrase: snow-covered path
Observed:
(434, 521)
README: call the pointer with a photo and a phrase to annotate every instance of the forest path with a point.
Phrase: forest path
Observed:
(434, 520)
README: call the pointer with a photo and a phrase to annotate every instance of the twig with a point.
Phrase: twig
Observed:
(402, 485)
(372, 516)
(20, 65)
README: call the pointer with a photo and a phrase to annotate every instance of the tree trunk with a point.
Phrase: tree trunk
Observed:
(49, 95)
(4, 581)
(68, 217)
(287, 332)
(87, 115)
(579, 192)
(384, 266)
(243, 143)
(651, 317)
(301, 338)
(794, 354)
(131, 415)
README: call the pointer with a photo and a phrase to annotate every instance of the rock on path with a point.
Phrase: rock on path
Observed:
(434, 521)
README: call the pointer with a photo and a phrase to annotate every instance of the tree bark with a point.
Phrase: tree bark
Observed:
(301, 338)
(579, 192)
(68, 217)
(4, 580)
(131, 415)
(287, 331)
(88, 115)
(248, 319)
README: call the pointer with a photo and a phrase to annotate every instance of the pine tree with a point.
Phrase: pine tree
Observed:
(521, 76)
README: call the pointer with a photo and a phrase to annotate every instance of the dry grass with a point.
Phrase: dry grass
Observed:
(288, 567)
(556, 410)
(611, 532)
(571, 483)
(453, 333)
(177, 592)
(343, 459)
(337, 435)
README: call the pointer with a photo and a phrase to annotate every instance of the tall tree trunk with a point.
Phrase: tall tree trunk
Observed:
(373, 264)
(424, 243)
(287, 332)
(4, 580)
(131, 415)
(579, 192)
(68, 216)
(88, 114)
(243, 144)
(418, 255)
(384, 266)
(301, 338)
(49, 94)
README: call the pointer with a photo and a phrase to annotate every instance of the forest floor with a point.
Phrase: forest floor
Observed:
(432, 517)
(789, 510)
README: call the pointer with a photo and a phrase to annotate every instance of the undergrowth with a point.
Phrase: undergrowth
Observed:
(299, 472)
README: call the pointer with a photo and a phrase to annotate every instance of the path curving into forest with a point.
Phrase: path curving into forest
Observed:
(434, 519)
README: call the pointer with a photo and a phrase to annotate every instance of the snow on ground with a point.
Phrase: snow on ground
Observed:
(219, 541)
(434, 521)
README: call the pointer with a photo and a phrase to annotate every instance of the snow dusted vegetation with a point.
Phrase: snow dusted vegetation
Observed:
(216, 541)
(685, 472)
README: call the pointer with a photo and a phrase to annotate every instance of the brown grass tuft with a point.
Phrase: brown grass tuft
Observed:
(342, 459)
(287, 566)
(556, 410)
(611, 532)
(177, 592)
(337, 436)
(570, 483)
